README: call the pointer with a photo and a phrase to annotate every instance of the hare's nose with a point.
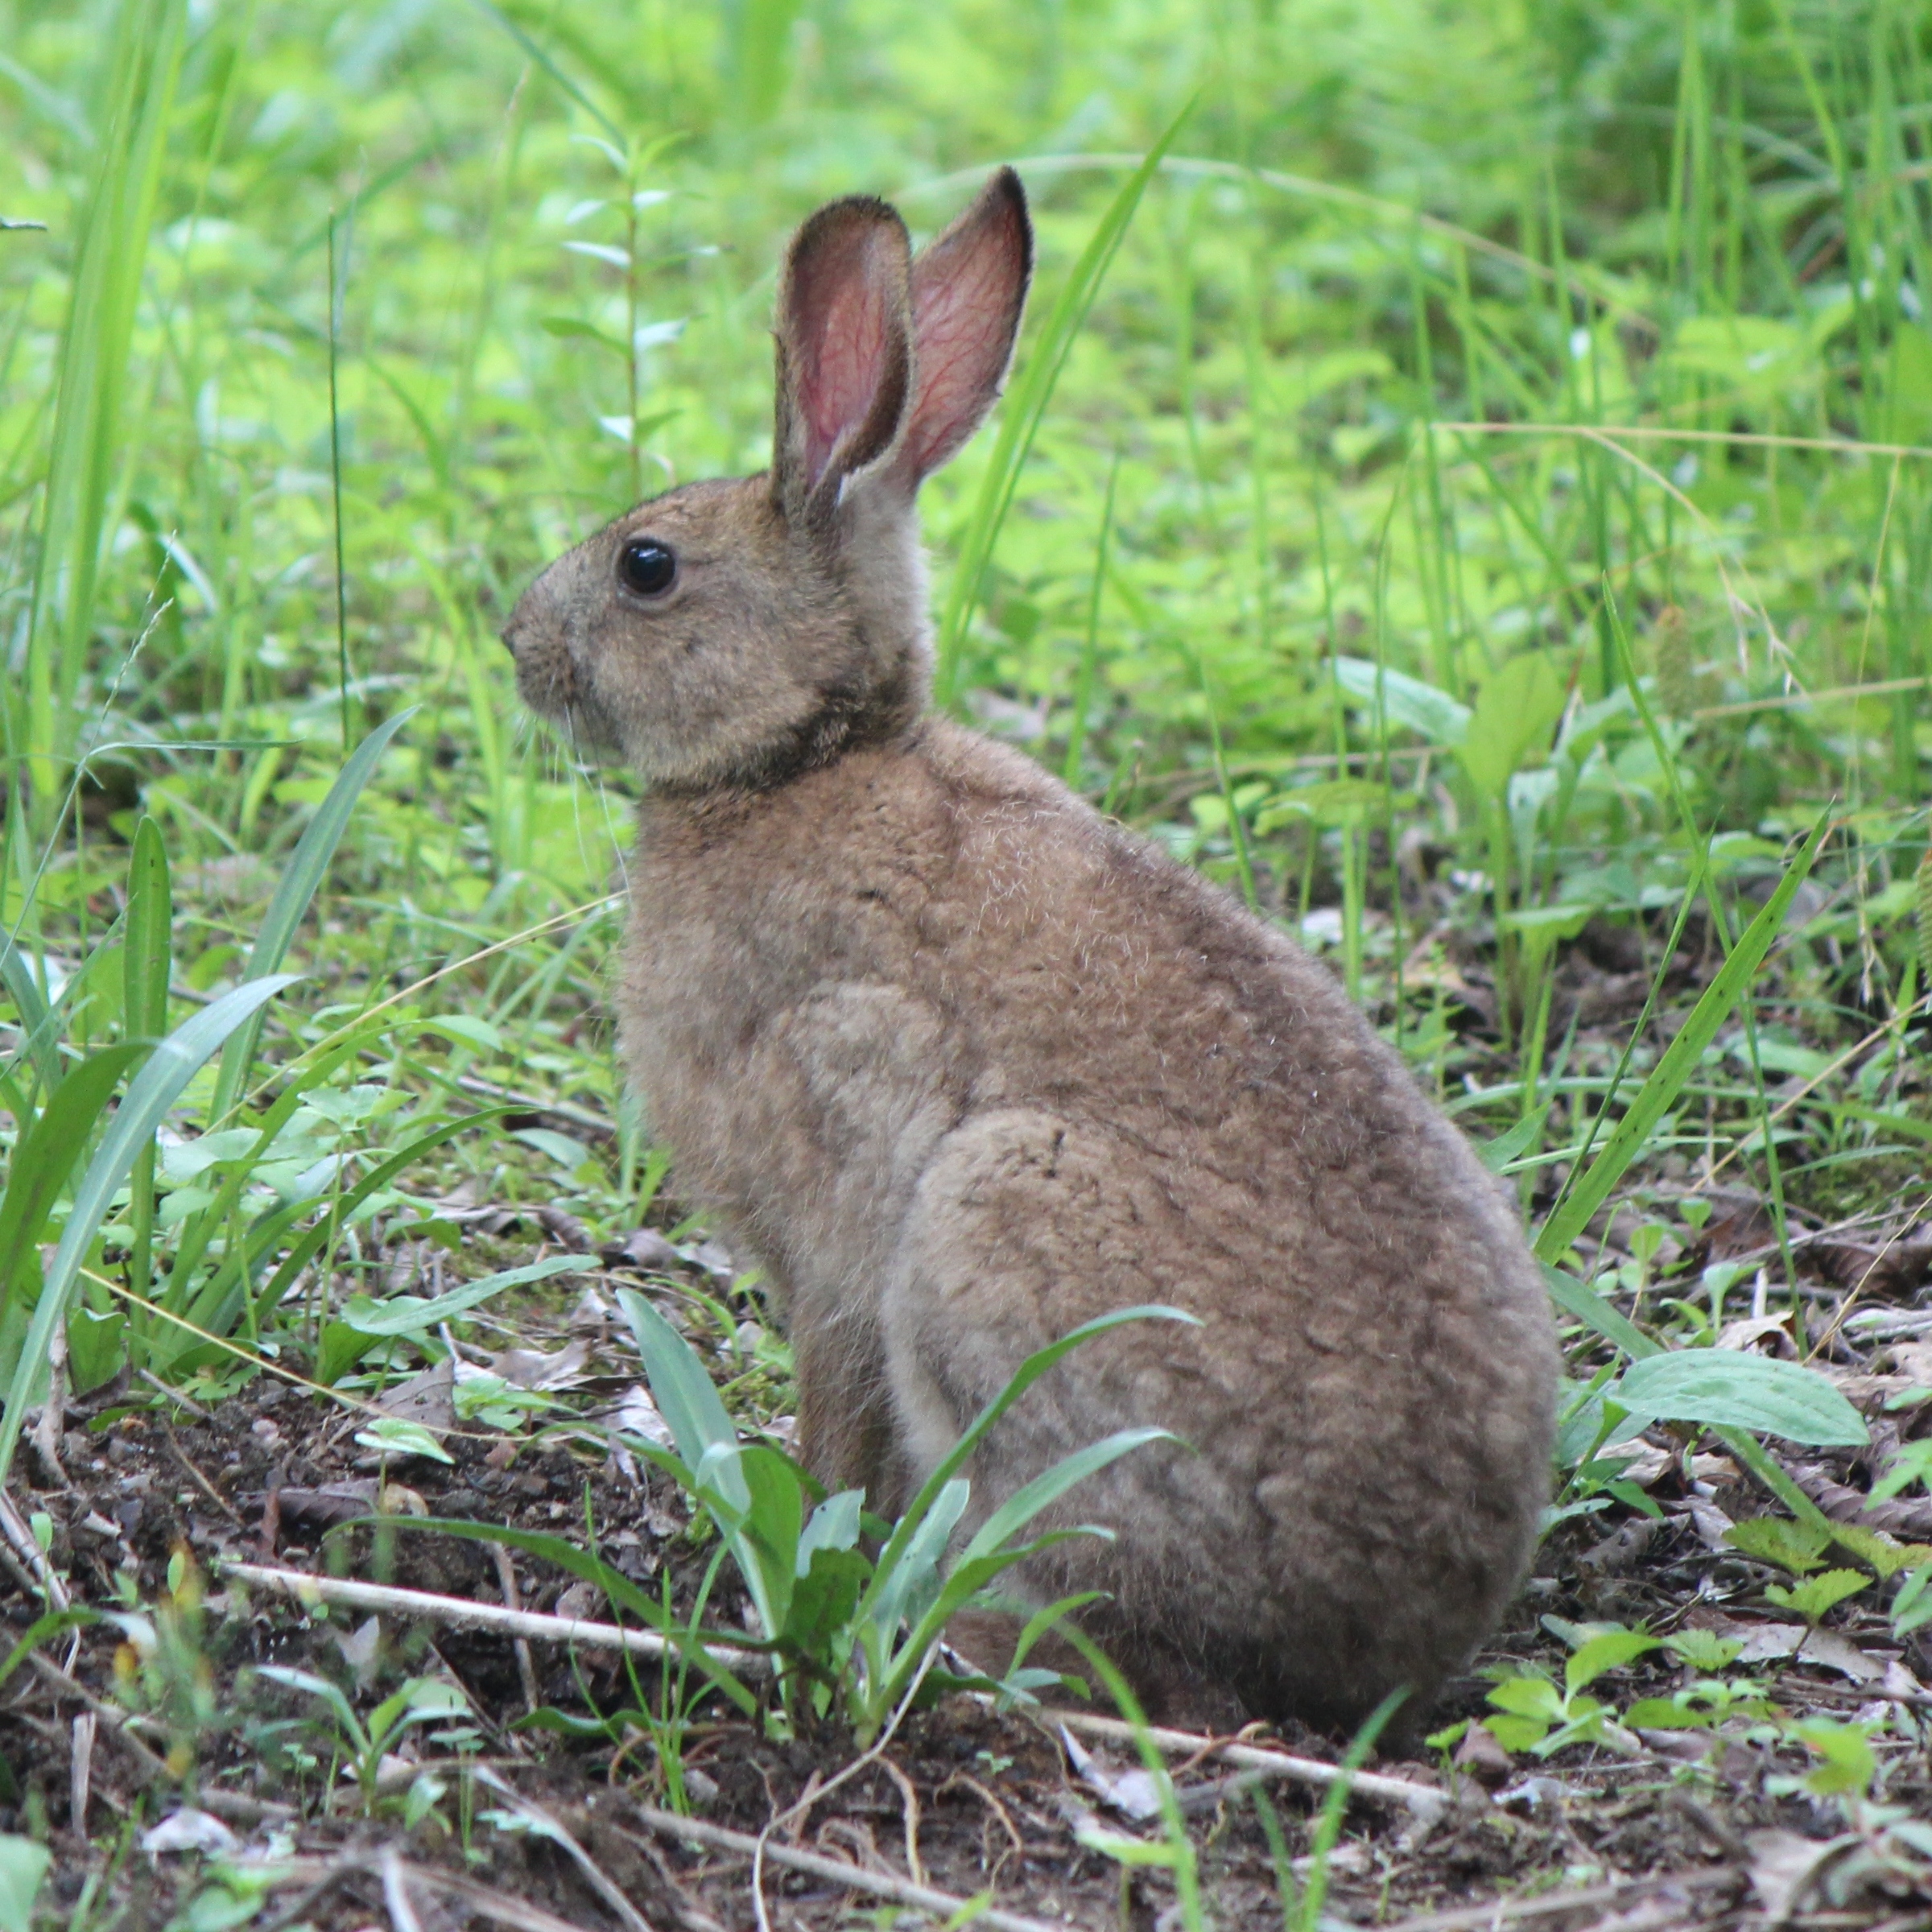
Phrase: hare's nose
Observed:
(509, 634)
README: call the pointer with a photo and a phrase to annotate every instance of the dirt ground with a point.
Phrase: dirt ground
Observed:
(178, 1786)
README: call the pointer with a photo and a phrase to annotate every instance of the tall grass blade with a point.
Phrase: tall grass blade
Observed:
(760, 54)
(147, 959)
(299, 885)
(1020, 421)
(1679, 1060)
(43, 1159)
(86, 451)
(158, 1086)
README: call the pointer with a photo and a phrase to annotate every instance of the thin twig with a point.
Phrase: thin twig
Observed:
(628, 1915)
(208, 1488)
(882, 1885)
(1425, 1801)
(465, 1613)
(814, 1791)
(1473, 1918)
(526, 1669)
(909, 1799)
(351, 1864)
(395, 1893)
(20, 1538)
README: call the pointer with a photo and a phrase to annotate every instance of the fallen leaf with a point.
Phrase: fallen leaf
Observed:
(323, 1507)
(529, 1368)
(1764, 1641)
(1753, 1329)
(1482, 1757)
(1783, 1867)
(188, 1829)
(644, 1249)
(428, 1400)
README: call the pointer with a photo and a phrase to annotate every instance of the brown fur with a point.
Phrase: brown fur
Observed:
(962, 1064)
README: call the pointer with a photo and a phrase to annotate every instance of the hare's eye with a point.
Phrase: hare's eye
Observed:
(646, 567)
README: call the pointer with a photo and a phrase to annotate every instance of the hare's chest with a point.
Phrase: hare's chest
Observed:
(802, 1103)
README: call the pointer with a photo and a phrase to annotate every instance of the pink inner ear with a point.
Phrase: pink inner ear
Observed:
(963, 298)
(842, 333)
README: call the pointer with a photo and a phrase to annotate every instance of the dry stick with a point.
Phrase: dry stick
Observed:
(909, 1800)
(1425, 1801)
(882, 1885)
(465, 1613)
(526, 1668)
(395, 1892)
(14, 1527)
(593, 1874)
(80, 1772)
(487, 1903)
(1473, 1918)
(351, 1864)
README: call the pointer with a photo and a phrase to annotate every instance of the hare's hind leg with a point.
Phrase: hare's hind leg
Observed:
(1022, 1227)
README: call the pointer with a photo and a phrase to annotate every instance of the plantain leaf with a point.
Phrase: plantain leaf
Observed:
(1731, 1388)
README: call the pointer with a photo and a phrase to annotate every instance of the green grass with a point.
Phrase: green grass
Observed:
(1452, 371)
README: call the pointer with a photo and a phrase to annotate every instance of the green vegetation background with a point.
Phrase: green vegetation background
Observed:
(1518, 350)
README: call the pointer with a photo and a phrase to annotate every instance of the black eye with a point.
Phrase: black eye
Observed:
(646, 567)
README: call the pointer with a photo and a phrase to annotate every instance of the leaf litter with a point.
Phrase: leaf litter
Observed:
(1798, 1809)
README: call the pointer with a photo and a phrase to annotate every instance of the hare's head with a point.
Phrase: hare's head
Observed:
(738, 632)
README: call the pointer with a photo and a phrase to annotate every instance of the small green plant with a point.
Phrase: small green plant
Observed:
(1845, 1766)
(364, 1745)
(1704, 1699)
(1815, 1596)
(852, 1629)
(1533, 1714)
(162, 1671)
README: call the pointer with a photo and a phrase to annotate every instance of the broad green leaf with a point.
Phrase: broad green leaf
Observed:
(155, 1089)
(1817, 1595)
(393, 1436)
(1735, 1388)
(1794, 1546)
(1405, 700)
(1609, 1650)
(1497, 1154)
(24, 1863)
(406, 1314)
(1516, 711)
(147, 955)
(1526, 1696)
(45, 1156)
(685, 1395)
(1026, 1502)
(97, 1344)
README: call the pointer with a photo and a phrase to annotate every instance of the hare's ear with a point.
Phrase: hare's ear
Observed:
(969, 289)
(844, 350)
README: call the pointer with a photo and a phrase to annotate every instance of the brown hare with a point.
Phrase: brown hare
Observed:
(960, 1063)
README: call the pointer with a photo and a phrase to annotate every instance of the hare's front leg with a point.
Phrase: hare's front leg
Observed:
(846, 1437)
